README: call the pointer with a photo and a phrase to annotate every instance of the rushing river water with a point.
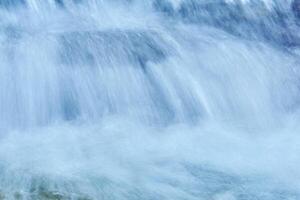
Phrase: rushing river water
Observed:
(149, 100)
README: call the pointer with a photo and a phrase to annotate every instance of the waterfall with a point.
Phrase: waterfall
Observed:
(158, 99)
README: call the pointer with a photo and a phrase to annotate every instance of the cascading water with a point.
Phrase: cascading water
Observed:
(157, 99)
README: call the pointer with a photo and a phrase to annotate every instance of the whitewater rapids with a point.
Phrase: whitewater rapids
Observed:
(149, 100)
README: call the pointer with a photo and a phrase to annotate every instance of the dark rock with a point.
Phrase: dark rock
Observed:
(296, 8)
